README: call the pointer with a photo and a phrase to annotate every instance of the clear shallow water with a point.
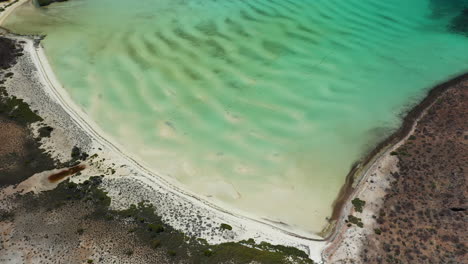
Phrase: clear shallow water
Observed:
(261, 104)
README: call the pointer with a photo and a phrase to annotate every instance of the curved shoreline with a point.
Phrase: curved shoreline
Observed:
(62, 97)
(357, 174)
(263, 231)
(354, 179)
(277, 233)
(88, 125)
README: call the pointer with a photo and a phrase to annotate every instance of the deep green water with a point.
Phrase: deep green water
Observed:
(262, 104)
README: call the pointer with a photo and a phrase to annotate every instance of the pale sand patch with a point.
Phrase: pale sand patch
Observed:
(127, 180)
(346, 246)
(37, 183)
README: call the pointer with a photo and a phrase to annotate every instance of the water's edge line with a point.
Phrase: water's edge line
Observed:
(354, 178)
(61, 96)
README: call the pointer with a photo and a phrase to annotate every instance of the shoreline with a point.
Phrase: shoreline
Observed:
(247, 225)
(354, 183)
(128, 173)
(357, 173)
(100, 136)
(58, 93)
(402, 209)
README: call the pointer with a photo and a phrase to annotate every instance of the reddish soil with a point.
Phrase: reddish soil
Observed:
(424, 218)
(65, 173)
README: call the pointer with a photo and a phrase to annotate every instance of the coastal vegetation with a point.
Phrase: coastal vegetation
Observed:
(226, 226)
(151, 230)
(358, 204)
(423, 209)
(419, 221)
(204, 79)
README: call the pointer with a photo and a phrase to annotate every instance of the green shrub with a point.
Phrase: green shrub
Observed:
(355, 220)
(155, 243)
(208, 253)
(358, 204)
(378, 231)
(156, 228)
(226, 227)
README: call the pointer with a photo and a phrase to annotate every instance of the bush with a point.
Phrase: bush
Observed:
(378, 231)
(226, 227)
(358, 204)
(155, 243)
(208, 253)
(355, 220)
(155, 228)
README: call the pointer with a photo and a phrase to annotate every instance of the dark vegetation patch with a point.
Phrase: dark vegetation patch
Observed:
(353, 220)
(225, 226)
(9, 50)
(151, 231)
(358, 204)
(48, 2)
(45, 131)
(20, 154)
(77, 154)
(16, 109)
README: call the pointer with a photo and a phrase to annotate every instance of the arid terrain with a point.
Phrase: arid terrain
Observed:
(411, 206)
(424, 215)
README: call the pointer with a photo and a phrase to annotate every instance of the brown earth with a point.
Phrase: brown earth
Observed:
(424, 216)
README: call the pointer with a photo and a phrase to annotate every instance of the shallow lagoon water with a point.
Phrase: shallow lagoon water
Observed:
(263, 105)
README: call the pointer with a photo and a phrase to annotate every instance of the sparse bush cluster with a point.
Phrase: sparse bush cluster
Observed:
(358, 204)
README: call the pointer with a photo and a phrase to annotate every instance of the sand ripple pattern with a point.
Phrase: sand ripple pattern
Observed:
(262, 104)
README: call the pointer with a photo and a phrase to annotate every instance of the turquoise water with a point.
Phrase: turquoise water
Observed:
(261, 104)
